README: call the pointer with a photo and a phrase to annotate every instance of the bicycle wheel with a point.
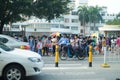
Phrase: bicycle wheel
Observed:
(63, 55)
(81, 55)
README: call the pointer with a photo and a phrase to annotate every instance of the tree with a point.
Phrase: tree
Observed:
(83, 16)
(16, 10)
(94, 15)
(50, 9)
(13, 10)
(89, 14)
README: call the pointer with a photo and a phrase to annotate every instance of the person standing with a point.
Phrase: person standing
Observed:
(88, 42)
(118, 41)
(54, 41)
(39, 47)
(108, 43)
(118, 44)
(48, 45)
(45, 49)
(103, 45)
(100, 44)
(31, 43)
(35, 43)
(113, 43)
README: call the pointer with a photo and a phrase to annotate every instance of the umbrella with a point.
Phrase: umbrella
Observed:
(55, 34)
(95, 34)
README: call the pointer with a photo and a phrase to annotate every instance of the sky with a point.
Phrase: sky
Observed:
(113, 6)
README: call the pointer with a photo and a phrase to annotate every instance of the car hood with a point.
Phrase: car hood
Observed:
(24, 53)
(16, 44)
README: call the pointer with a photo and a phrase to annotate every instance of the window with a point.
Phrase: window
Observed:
(65, 27)
(15, 26)
(74, 28)
(94, 28)
(74, 20)
(54, 25)
(67, 20)
(103, 14)
(74, 13)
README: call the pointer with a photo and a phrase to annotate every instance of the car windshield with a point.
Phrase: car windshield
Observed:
(11, 38)
(4, 47)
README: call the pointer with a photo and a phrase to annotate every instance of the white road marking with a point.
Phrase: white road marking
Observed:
(67, 68)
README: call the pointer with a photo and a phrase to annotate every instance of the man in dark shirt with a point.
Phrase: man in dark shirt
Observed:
(88, 42)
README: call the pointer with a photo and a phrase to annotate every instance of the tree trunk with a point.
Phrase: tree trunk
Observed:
(84, 29)
(94, 27)
(1, 27)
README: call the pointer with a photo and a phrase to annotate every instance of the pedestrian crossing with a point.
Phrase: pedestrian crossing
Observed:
(78, 72)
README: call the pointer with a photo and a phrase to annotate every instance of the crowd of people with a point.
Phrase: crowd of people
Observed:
(45, 45)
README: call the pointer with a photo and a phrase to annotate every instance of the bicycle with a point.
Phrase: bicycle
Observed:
(78, 53)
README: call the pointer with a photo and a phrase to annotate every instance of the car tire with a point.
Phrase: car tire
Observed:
(13, 72)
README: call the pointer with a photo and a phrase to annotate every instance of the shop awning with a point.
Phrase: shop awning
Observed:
(110, 28)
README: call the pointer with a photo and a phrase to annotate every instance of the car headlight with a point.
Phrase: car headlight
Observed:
(34, 59)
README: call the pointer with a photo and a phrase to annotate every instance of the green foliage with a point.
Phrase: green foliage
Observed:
(113, 22)
(83, 14)
(50, 9)
(89, 14)
(94, 14)
(12, 10)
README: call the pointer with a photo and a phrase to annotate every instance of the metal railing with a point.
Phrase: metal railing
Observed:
(114, 54)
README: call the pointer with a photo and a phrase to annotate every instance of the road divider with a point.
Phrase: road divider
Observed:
(56, 56)
(90, 56)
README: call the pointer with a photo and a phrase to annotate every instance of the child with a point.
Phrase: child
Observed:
(97, 49)
(39, 47)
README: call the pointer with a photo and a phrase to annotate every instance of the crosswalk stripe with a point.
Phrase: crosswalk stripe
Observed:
(58, 68)
(65, 64)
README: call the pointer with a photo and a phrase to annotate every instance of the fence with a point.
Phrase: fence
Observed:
(114, 54)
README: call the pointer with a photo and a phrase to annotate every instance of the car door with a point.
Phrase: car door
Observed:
(2, 58)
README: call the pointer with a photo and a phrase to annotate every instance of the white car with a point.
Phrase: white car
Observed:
(16, 63)
(12, 42)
